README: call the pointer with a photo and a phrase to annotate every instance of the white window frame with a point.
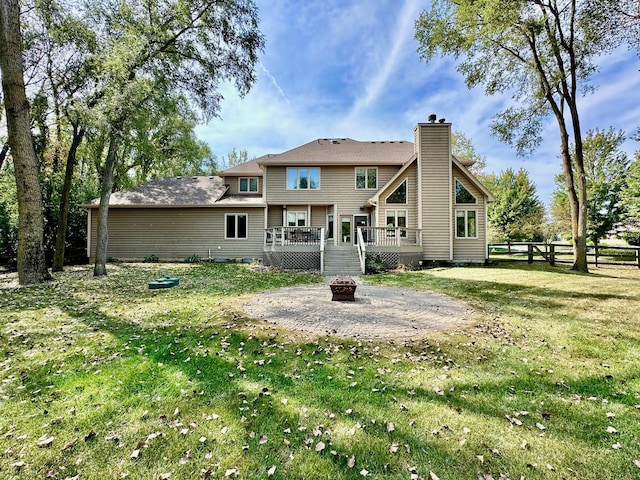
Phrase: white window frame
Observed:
(366, 178)
(406, 194)
(465, 212)
(299, 214)
(236, 215)
(248, 189)
(455, 188)
(297, 170)
(391, 230)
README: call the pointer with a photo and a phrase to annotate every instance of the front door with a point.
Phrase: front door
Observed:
(359, 221)
(345, 230)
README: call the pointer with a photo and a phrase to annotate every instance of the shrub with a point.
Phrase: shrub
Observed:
(151, 259)
(631, 237)
(375, 264)
(193, 259)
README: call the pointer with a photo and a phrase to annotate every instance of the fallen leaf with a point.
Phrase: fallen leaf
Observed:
(394, 448)
(390, 427)
(135, 454)
(271, 471)
(364, 472)
(610, 429)
(611, 415)
(45, 441)
(636, 462)
(434, 476)
(351, 462)
(231, 471)
(540, 426)
(263, 440)
(616, 446)
(320, 446)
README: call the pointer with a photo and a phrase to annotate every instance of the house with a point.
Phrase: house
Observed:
(325, 205)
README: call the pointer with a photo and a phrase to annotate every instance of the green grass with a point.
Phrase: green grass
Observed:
(118, 381)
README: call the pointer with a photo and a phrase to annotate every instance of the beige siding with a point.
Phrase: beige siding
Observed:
(411, 176)
(468, 249)
(234, 185)
(337, 187)
(176, 233)
(318, 216)
(274, 218)
(434, 155)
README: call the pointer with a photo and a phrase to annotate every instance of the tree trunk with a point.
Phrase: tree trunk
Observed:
(3, 154)
(100, 266)
(63, 217)
(31, 261)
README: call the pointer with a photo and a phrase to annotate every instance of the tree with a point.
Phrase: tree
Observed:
(631, 191)
(517, 213)
(30, 255)
(172, 47)
(606, 168)
(462, 146)
(542, 50)
(235, 158)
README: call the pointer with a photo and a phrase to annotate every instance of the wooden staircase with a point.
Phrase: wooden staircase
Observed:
(341, 260)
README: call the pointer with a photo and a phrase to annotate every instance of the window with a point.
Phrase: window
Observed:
(296, 219)
(399, 195)
(249, 185)
(466, 226)
(463, 195)
(235, 225)
(396, 219)
(330, 226)
(303, 178)
(366, 178)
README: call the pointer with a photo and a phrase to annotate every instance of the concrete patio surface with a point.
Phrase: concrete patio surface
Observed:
(377, 313)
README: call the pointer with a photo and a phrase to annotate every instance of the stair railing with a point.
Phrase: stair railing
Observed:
(362, 249)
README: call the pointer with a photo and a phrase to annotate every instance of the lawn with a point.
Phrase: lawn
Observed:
(106, 379)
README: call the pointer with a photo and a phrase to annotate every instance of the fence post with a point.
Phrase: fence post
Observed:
(529, 253)
(638, 256)
(596, 252)
(552, 255)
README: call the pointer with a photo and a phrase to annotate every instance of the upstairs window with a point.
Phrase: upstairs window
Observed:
(248, 185)
(366, 178)
(299, 178)
(463, 195)
(399, 195)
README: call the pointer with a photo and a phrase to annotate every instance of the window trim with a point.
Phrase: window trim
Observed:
(297, 169)
(248, 190)
(297, 213)
(236, 215)
(466, 211)
(366, 178)
(406, 194)
(455, 196)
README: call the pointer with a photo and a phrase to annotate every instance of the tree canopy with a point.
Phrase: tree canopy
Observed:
(542, 52)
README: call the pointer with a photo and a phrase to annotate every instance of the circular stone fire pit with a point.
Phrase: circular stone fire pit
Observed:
(375, 313)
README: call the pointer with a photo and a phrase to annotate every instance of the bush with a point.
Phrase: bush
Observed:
(193, 259)
(632, 237)
(151, 259)
(375, 264)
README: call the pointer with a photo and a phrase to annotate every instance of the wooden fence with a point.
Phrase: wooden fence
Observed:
(563, 253)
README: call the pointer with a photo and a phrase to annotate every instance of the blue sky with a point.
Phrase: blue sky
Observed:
(349, 68)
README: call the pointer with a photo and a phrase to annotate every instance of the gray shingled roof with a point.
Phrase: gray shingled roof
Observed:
(250, 168)
(344, 151)
(170, 191)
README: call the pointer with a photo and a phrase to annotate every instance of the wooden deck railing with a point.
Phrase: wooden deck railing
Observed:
(563, 253)
(390, 236)
(293, 236)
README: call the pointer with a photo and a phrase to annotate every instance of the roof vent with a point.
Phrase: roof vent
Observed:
(335, 142)
(432, 118)
(442, 120)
